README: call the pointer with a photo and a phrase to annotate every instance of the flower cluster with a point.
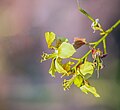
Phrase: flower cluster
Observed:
(79, 72)
(61, 50)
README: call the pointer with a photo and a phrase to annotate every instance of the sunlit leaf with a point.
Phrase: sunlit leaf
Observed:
(52, 69)
(87, 88)
(87, 68)
(59, 68)
(66, 50)
(50, 37)
(78, 81)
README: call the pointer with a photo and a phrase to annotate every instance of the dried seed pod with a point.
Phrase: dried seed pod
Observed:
(78, 42)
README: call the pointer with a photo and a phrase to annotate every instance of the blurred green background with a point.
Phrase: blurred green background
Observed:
(25, 83)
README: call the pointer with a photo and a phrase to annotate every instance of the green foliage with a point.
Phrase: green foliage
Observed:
(80, 72)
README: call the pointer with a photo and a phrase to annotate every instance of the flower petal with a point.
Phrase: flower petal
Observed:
(50, 37)
(52, 69)
(59, 68)
(87, 88)
(87, 69)
(78, 81)
(66, 50)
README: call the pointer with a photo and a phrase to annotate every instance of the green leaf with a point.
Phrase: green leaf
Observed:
(78, 81)
(66, 50)
(50, 37)
(52, 69)
(87, 69)
(87, 88)
(59, 68)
